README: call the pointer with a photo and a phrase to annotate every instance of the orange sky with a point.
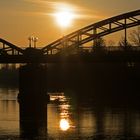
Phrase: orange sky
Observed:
(23, 18)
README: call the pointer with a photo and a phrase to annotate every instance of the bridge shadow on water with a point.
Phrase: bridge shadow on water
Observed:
(100, 87)
(105, 83)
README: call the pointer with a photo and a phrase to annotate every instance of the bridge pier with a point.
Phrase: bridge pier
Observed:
(33, 100)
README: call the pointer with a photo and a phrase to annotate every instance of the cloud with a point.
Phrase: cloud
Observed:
(44, 3)
(49, 8)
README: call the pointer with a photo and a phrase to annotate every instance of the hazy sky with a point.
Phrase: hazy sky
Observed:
(20, 19)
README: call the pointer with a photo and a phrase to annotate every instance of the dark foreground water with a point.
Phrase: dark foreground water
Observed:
(72, 119)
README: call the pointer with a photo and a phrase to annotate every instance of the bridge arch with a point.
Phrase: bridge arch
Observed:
(94, 31)
(7, 48)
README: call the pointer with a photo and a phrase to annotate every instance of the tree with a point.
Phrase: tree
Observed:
(124, 44)
(99, 44)
(111, 43)
(135, 37)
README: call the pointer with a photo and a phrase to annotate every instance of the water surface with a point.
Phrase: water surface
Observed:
(71, 119)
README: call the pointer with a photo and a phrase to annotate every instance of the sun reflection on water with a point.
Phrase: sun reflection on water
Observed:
(64, 124)
(63, 104)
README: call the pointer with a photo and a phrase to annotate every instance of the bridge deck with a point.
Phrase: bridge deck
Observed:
(114, 56)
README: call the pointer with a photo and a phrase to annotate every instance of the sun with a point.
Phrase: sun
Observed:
(64, 18)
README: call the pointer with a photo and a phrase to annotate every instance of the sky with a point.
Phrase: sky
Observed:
(20, 19)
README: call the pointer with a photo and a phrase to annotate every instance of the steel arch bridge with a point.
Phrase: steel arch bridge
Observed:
(10, 53)
(94, 31)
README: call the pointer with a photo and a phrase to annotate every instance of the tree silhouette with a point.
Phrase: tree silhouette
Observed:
(111, 43)
(125, 45)
(99, 44)
(135, 37)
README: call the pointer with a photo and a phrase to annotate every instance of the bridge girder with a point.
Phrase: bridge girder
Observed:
(94, 31)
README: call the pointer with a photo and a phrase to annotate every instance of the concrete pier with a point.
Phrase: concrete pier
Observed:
(33, 100)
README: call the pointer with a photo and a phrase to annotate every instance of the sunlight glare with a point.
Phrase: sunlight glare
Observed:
(64, 18)
(64, 124)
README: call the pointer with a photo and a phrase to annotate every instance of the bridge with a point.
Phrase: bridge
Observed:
(74, 42)
(33, 96)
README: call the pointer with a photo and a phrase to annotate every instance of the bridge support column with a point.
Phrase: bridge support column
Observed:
(125, 35)
(33, 100)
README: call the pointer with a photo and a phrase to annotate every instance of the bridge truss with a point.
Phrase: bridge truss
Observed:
(7, 48)
(92, 32)
(10, 53)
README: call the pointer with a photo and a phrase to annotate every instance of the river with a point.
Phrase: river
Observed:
(71, 119)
